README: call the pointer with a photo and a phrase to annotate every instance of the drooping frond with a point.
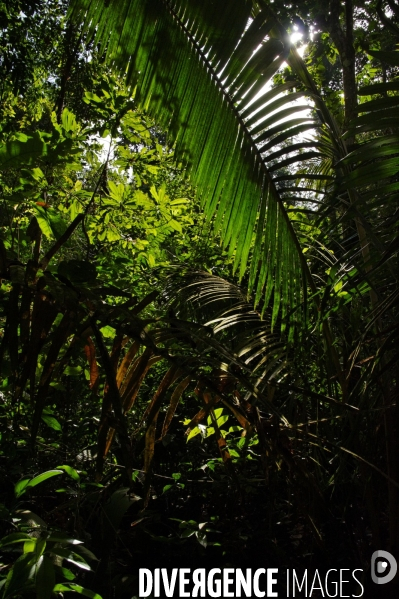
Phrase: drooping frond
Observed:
(224, 308)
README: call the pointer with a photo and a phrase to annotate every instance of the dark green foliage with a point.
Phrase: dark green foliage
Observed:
(149, 405)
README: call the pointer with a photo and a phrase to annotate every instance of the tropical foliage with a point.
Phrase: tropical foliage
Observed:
(198, 235)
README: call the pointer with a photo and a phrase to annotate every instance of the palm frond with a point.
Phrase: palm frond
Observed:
(203, 71)
(226, 311)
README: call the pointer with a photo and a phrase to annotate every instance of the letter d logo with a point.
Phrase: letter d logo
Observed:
(383, 570)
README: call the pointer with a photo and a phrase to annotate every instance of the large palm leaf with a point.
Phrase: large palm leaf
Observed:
(202, 70)
(199, 68)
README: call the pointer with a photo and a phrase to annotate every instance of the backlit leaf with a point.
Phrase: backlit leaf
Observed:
(51, 422)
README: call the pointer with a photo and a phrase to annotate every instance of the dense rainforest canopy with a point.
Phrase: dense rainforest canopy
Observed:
(199, 302)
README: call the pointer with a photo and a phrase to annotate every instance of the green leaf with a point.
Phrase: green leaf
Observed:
(42, 477)
(188, 532)
(72, 557)
(175, 225)
(71, 472)
(202, 538)
(222, 420)
(15, 537)
(61, 537)
(108, 332)
(57, 223)
(116, 191)
(112, 235)
(50, 221)
(51, 422)
(38, 175)
(21, 486)
(75, 208)
(44, 225)
(235, 429)
(64, 573)
(76, 588)
(73, 370)
(193, 433)
(68, 121)
(154, 193)
(85, 553)
(20, 576)
(217, 413)
(90, 97)
(23, 151)
(45, 579)
(29, 546)
(35, 481)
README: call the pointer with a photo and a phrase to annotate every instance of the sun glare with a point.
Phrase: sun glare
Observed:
(295, 37)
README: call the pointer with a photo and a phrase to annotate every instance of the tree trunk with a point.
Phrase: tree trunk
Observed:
(343, 40)
(72, 46)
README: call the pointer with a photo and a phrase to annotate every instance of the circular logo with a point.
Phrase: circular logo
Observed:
(383, 567)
